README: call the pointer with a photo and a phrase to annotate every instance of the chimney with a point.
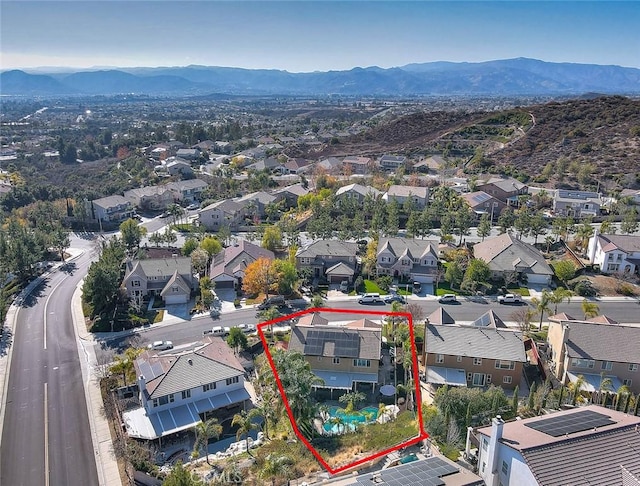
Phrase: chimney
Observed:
(592, 245)
(492, 471)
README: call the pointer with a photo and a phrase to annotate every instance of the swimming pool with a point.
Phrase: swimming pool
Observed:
(351, 421)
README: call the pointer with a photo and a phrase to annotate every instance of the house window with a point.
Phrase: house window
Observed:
(627, 382)
(479, 379)
(209, 386)
(175, 289)
(439, 358)
(607, 365)
(469, 376)
(488, 379)
(506, 380)
(505, 365)
(582, 363)
(633, 366)
(362, 363)
(477, 361)
(171, 398)
(405, 262)
(613, 267)
(336, 360)
(459, 359)
(231, 381)
(505, 467)
(485, 444)
(186, 394)
(135, 283)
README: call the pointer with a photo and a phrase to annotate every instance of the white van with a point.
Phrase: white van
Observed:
(370, 299)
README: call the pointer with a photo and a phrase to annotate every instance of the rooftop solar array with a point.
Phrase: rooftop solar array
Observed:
(571, 423)
(426, 472)
(346, 344)
(480, 197)
(483, 321)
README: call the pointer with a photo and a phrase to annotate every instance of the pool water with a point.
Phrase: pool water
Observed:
(350, 420)
(409, 458)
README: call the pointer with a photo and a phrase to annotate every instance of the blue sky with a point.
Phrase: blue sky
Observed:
(302, 36)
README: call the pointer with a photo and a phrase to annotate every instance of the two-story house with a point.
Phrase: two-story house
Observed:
(188, 191)
(255, 203)
(111, 209)
(222, 213)
(595, 350)
(356, 164)
(407, 258)
(190, 154)
(505, 190)
(419, 196)
(356, 192)
(228, 266)
(392, 162)
(288, 195)
(342, 356)
(615, 253)
(473, 356)
(513, 260)
(169, 278)
(183, 386)
(331, 259)
(576, 204)
(176, 166)
(581, 446)
(152, 198)
(481, 203)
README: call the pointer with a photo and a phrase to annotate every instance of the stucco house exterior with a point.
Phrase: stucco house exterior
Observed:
(392, 162)
(418, 195)
(505, 190)
(169, 278)
(615, 253)
(228, 266)
(187, 191)
(407, 258)
(111, 209)
(356, 192)
(181, 387)
(153, 198)
(222, 213)
(331, 259)
(577, 204)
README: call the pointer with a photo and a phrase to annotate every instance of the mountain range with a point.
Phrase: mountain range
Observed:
(519, 76)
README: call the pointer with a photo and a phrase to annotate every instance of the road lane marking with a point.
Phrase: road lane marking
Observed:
(46, 304)
(46, 437)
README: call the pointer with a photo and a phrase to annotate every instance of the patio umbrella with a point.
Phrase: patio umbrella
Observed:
(388, 390)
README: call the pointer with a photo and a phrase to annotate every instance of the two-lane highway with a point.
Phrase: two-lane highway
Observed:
(46, 436)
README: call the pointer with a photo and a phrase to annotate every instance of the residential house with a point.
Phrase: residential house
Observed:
(330, 165)
(505, 190)
(295, 164)
(585, 445)
(169, 278)
(150, 198)
(222, 213)
(270, 164)
(255, 203)
(513, 260)
(473, 356)
(190, 154)
(357, 164)
(594, 350)
(430, 164)
(342, 356)
(576, 204)
(187, 191)
(407, 258)
(632, 194)
(489, 320)
(356, 192)
(615, 253)
(482, 203)
(208, 145)
(228, 266)
(111, 209)
(392, 162)
(183, 386)
(177, 166)
(289, 195)
(330, 259)
(401, 194)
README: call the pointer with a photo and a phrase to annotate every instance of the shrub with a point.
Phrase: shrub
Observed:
(584, 288)
(624, 288)
(384, 282)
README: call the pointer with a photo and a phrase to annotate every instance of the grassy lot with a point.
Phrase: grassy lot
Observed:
(523, 291)
(370, 287)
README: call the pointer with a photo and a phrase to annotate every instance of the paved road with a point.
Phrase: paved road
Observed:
(46, 438)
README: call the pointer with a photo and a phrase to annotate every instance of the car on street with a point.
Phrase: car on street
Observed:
(160, 345)
(448, 299)
(513, 299)
(370, 299)
(389, 299)
(193, 206)
(276, 300)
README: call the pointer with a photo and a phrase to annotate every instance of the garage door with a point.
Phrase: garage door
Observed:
(175, 299)
(224, 284)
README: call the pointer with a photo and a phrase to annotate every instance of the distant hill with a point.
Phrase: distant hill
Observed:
(503, 77)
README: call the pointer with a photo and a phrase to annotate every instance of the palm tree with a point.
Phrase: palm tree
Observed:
(549, 240)
(606, 385)
(589, 309)
(339, 422)
(558, 295)
(352, 399)
(575, 387)
(267, 411)
(245, 425)
(542, 305)
(210, 429)
(275, 466)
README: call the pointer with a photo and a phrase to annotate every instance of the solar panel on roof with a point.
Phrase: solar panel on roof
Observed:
(571, 423)
(483, 321)
(346, 344)
(424, 472)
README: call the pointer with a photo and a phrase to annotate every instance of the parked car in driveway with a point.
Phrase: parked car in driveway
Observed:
(160, 345)
(448, 299)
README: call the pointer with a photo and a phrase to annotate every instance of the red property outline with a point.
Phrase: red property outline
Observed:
(422, 434)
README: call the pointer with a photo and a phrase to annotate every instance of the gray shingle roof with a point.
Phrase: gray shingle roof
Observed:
(507, 253)
(406, 191)
(322, 248)
(360, 189)
(111, 201)
(604, 342)
(416, 247)
(475, 342)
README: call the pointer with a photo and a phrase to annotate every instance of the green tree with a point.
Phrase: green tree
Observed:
(589, 309)
(199, 260)
(454, 274)
(477, 273)
(205, 431)
(286, 276)
(272, 238)
(245, 425)
(190, 245)
(532, 395)
(506, 220)
(237, 339)
(132, 234)
(558, 296)
(275, 466)
(564, 270)
(575, 388)
(179, 476)
(629, 223)
(352, 399)
(541, 305)
(102, 283)
(514, 400)
(484, 226)
(211, 245)
(206, 296)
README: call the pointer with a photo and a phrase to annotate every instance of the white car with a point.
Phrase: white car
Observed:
(193, 206)
(160, 345)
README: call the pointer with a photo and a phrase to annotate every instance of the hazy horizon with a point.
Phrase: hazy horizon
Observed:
(308, 36)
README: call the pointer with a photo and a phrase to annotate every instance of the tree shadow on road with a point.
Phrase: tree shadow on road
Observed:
(69, 268)
(6, 340)
(37, 292)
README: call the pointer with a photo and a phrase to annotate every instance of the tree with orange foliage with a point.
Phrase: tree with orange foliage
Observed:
(260, 276)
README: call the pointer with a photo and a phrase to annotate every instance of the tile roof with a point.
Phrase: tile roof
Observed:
(478, 198)
(187, 184)
(580, 458)
(626, 243)
(605, 342)
(147, 191)
(507, 253)
(185, 367)
(475, 342)
(489, 319)
(225, 205)
(340, 269)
